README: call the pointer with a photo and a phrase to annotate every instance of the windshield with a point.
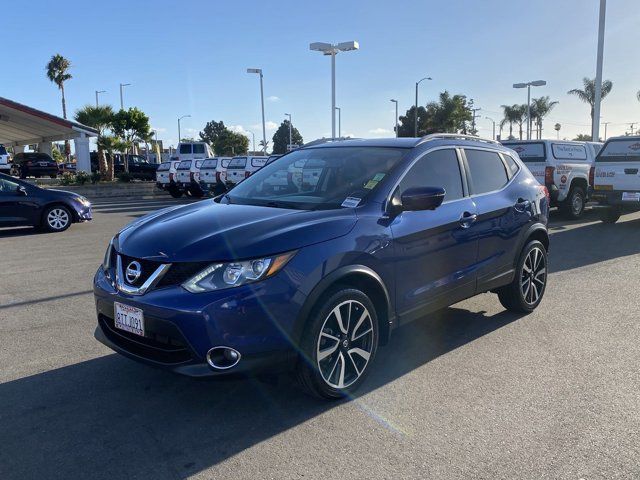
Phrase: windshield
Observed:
(318, 178)
(527, 151)
(620, 150)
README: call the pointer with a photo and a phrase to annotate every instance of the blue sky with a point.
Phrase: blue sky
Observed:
(190, 57)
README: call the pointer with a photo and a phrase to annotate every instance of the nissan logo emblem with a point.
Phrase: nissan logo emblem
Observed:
(134, 270)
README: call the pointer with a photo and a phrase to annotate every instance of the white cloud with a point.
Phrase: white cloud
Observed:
(237, 129)
(273, 98)
(379, 131)
(159, 129)
(269, 125)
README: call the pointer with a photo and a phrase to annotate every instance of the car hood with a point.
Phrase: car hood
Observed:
(52, 192)
(209, 231)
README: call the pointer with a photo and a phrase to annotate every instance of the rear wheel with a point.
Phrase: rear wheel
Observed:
(339, 344)
(526, 290)
(56, 218)
(573, 206)
(196, 192)
(175, 193)
(610, 214)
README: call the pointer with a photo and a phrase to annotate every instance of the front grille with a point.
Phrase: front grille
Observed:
(179, 273)
(162, 343)
(147, 267)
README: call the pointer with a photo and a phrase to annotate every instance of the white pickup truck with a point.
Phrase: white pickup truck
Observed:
(563, 167)
(616, 178)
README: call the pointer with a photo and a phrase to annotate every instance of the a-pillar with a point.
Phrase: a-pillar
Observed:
(83, 160)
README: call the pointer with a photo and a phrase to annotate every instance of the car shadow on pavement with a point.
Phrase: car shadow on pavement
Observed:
(112, 418)
(593, 243)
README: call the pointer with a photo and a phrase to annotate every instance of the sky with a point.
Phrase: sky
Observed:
(190, 58)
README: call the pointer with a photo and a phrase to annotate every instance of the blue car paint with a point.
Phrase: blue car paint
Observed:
(423, 260)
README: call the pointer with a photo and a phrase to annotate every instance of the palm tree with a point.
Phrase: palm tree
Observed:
(540, 108)
(509, 118)
(588, 93)
(99, 118)
(111, 144)
(638, 95)
(514, 114)
(58, 72)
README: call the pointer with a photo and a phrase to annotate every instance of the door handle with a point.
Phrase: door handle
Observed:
(467, 219)
(522, 204)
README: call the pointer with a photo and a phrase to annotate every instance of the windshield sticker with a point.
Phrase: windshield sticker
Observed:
(351, 202)
(370, 184)
(378, 177)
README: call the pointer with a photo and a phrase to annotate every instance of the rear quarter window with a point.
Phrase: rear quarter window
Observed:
(512, 165)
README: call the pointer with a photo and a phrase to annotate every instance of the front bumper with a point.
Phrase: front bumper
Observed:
(84, 213)
(181, 327)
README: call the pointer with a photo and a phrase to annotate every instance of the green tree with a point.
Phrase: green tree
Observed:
(588, 93)
(540, 108)
(281, 138)
(514, 114)
(112, 144)
(100, 118)
(583, 137)
(131, 126)
(222, 140)
(58, 72)
(449, 114)
(211, 132)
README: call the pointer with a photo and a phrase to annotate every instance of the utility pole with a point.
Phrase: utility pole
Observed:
(605, 130)
(493, 122)
(595, 130)
(473, 117)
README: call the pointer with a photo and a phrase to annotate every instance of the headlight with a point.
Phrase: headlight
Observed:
(106, 262)
(218, 276)
(84, 201)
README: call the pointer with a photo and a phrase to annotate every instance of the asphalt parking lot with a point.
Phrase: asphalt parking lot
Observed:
(472, 392)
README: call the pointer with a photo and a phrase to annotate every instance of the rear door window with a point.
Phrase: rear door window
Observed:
(620, 150)
(487, 171)
(436, 169)
(529, 151)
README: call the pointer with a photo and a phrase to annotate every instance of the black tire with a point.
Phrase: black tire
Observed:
(22, 174)
(56, 218)
(355, 353)
(196, 192)
(175, 193)
(573, 205)
(516, 297)
(609, 214)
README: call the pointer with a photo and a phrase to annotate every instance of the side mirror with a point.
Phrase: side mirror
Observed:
(422, 198)
(22, 191)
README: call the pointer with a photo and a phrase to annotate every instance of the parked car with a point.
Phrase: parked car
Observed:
(616, 178)
(139, 167)
(5, 160)
(563, 167)
(192, 151)
(188, 172)
(34, 164)
(22, 203)
(166, 178)
(242, 167)
(213, 174)
(315, 280)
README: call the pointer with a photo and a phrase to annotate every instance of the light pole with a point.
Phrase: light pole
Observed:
(415, 120)
(264, 130)
(494, 126)
(254, 139)
(528, 85)
(595, 126)
(396, 102)
(339, 122)
(122, 85)
(97, 93)
(329, 49)
(290, 132)
(180, 118)
(605, 130)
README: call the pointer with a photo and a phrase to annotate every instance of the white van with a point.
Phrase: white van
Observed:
(240, 168)
(616, 178)
(192, 151)
(188, 177)
(213, 174)
(166, 178)
(563, 167)
(5, 163)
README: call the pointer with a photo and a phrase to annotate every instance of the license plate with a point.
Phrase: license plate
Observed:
(631, 196)
(128, 318)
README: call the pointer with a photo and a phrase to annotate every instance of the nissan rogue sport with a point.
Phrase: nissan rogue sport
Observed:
(315, 277)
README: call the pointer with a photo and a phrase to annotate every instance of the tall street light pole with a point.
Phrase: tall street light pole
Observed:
(264, 129)
(595, 128)
(415, 120)
(330, 49)
(494, 126)
(339, 122)
(396, 102)
(180, 118)
(97, 93)
(290, 132)
(253, 135)
(528, 85)
(122, 85)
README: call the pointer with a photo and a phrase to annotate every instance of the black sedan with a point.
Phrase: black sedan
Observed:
(22, 203)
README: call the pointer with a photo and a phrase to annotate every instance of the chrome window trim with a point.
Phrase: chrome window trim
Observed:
(151, 282)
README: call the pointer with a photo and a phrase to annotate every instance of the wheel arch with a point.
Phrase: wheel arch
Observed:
(53, 203)
(535, 232)
(580, 182)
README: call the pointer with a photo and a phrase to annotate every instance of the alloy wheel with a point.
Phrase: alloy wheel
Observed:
(577, 204)
(58, 218)
(534, 276)
(345, 344)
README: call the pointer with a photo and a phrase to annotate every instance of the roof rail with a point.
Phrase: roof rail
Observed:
(460, 136)
(320, 141)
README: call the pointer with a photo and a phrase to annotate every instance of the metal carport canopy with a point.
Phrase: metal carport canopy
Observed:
(23, 125)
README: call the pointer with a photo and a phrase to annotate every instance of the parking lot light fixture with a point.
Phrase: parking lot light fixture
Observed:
(528, 85)
(330, 49)
(396, 102)
(493, 122)
(122, 85)
(180, 118)
(264, 129)
(415, 120)
(97, 93)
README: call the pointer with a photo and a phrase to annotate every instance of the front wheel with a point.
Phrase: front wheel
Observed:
(610, 214)
(339, 344)
(56, 219)
(526, 290)
(175, 193)
(574, 204)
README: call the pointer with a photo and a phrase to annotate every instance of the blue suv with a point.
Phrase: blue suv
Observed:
(359, 237)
